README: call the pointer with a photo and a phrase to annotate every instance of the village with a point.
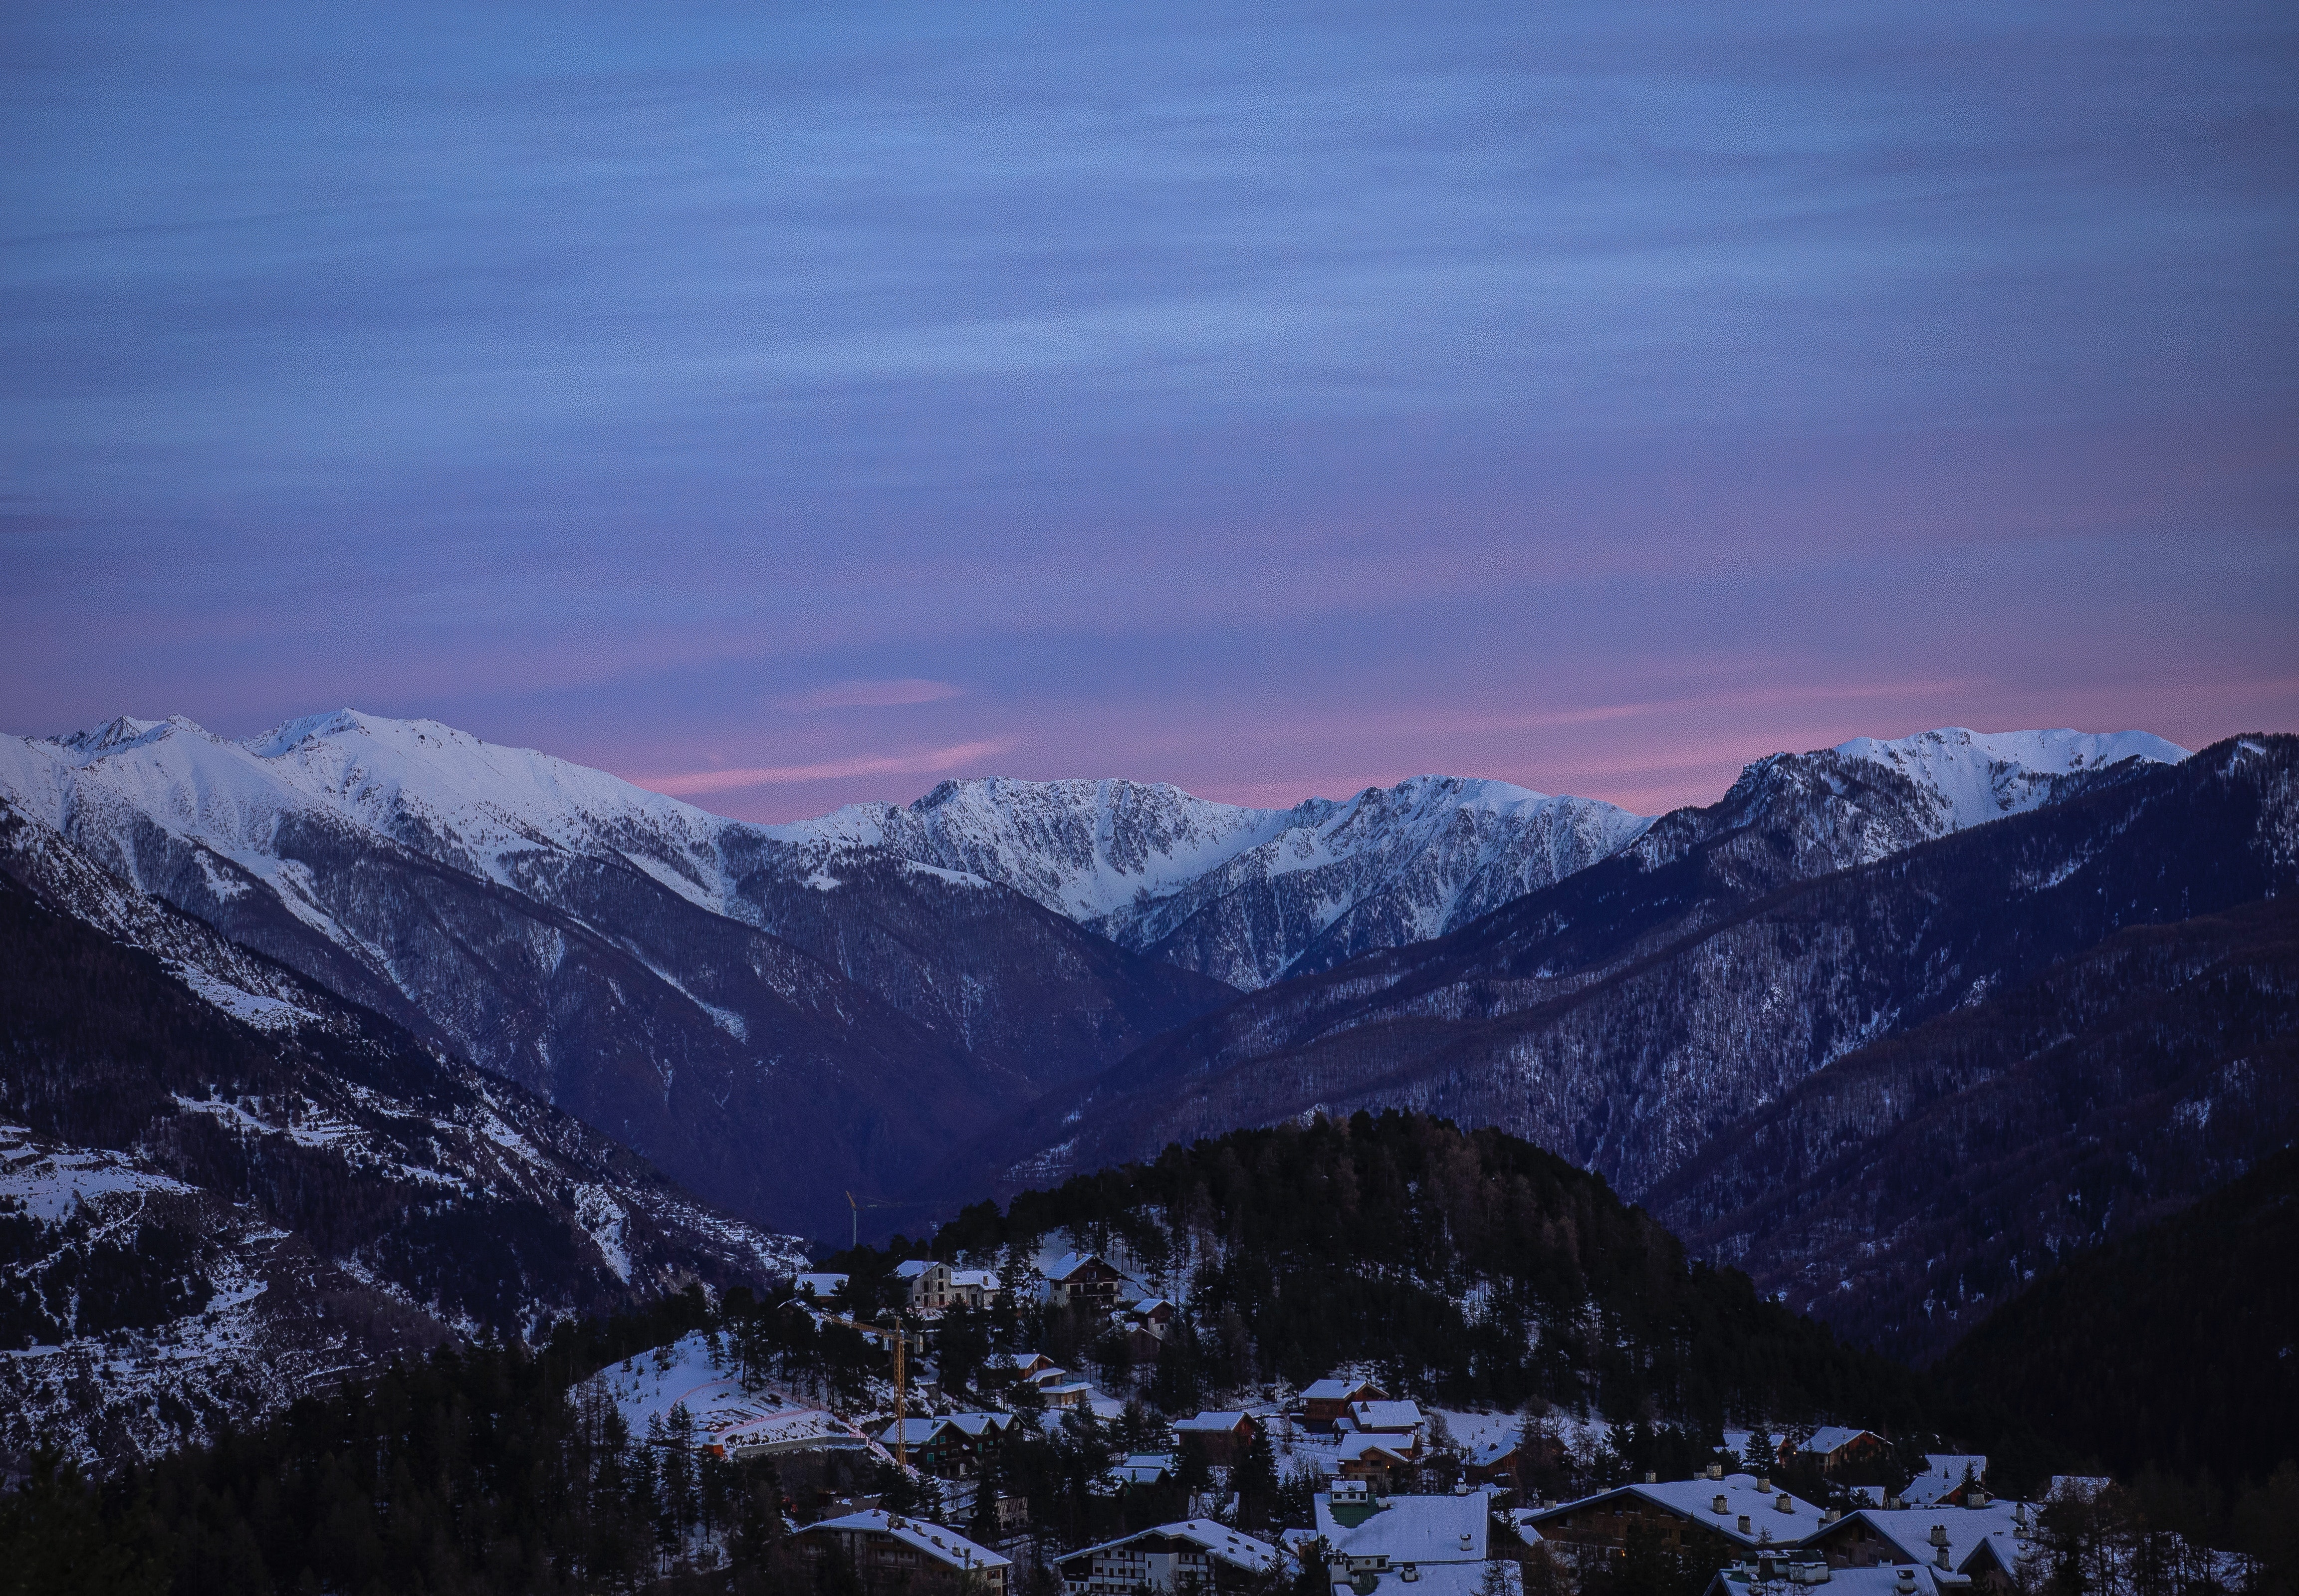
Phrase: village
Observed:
(1349, 1489)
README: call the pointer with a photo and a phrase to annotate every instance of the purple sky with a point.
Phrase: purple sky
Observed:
(791, 404)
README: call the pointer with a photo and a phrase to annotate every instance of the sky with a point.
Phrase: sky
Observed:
(784, 405)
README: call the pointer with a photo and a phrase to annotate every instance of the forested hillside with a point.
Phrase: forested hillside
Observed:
(1914, 1185)
(2177, 1348)
(1470, 1268)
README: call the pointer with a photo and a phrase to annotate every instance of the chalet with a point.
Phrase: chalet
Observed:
(1736, 1512)
(932, 1444)
(1144, 1468)
(976, 1288)
(1196, 1554)
(1949, 1477)
(1065, 1394)
(1005, 1367)
(985, 1433)
(1980, 1544)
(1384, 1419)
(1326, 1400)
(1085, 1280)
(1224, 1435)
(1435, 1545)
(1772, 1573)
(1836, 1447)
(1495, 1463)
(927, 1280)
(890, 1553)
(1376, 1460)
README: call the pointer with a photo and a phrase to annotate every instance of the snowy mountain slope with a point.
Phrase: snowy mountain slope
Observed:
(1621, 1012)
(1254, 896)
(681, 981)
(1243, 896)
(220, 1186)
(1974, 777)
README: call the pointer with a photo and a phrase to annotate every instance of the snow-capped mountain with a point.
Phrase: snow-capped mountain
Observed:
(220, 1186)
(1624, 1012)
(1245, 895)
(854, 995)
(771, 1033)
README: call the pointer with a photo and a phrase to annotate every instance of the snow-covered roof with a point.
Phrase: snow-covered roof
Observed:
(1488, 1453)
(1829, 1437)
(1388, 1444)
(1016, 1360)
(915, 1431)
(1969, 1530)
(1218, 1540)
(1070, 1263)
(1410, 1529)
(1443, 1579)
(1334, 1390)
(982, 1279)
(980, 1424)
(945, 1546)
(1385, 1415)
(1211, 1423)
(1883, 1579)
(910, 1268)
(1697, 1500)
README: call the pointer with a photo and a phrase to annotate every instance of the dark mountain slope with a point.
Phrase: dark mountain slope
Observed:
(1468, 1267)
(1624, 1015)
(1911, 1186)
(204, 1216)
(2177, 1347)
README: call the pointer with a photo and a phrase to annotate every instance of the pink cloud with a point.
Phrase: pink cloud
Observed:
(871, 695)
(924, 763)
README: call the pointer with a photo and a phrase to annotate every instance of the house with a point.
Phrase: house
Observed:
(932, 1444)
(1004, 1367)
(1738, 1511)
(818, 1284)
(1837, 1447)
(1495, 1463)
(890, 1552)
(1196, 1554)
(1084, 1280)
(1384, 1419)
(985, 1433)
(1144, 1468)
(1224, 1435)
(1743, 1579)
(1435, 1545)
(1065, 1394)
(927, 1280)
(1326, 1400)
(1944, 1479)
(1980, 1544)
(1376, 1460)
(976, 1288)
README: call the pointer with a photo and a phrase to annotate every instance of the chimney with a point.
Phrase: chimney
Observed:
(1719, 1508)
(1744, 1524)
(1940, 1534)
(1787, 1504)
(1651, 1478)
(1907, 1579)
(1765, 1484)
(1716, 1471)
(1831, 1517)
(1943, 1557)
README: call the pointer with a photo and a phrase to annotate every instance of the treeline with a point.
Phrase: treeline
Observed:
(1467, 1269)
